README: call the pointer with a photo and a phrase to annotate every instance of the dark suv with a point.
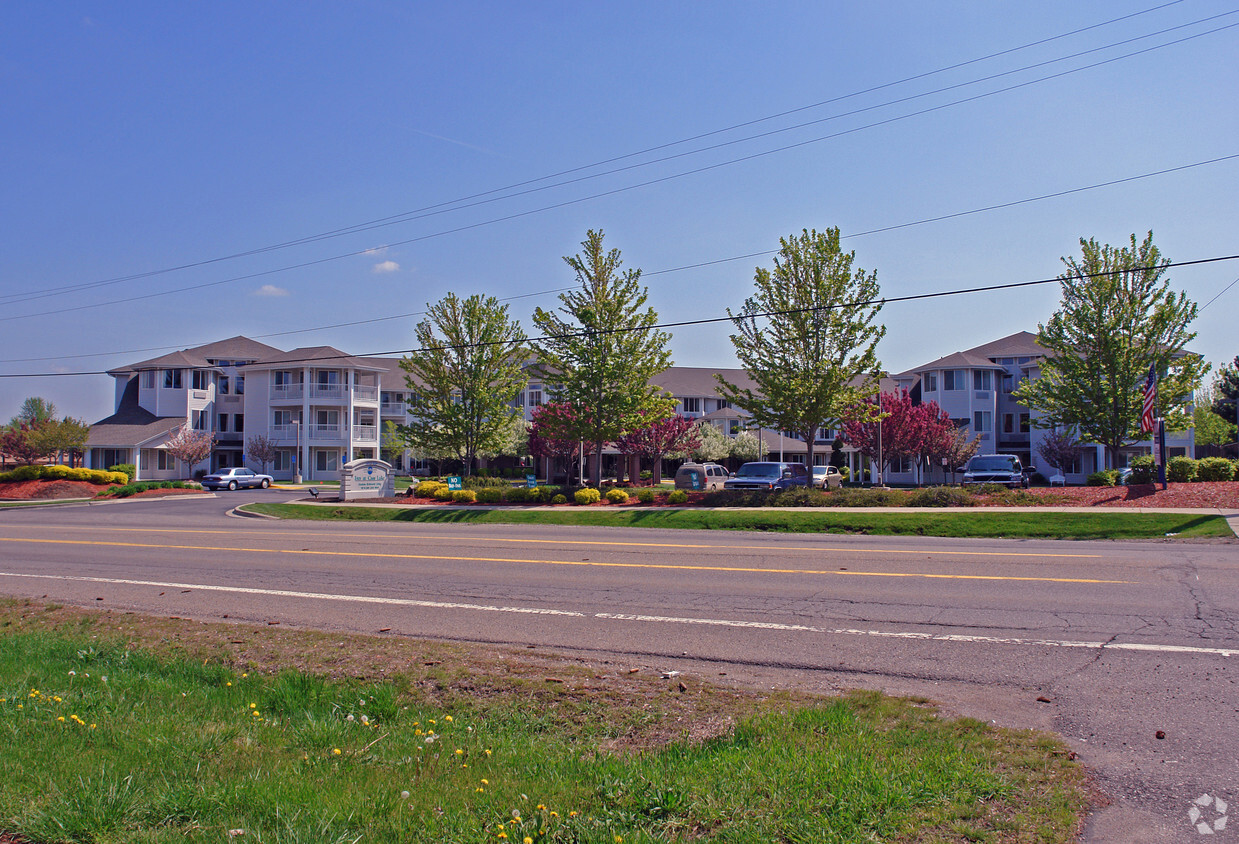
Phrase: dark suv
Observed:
(1002, 469)
(769, 476)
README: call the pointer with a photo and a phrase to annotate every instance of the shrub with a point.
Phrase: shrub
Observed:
(427, 489)
(127, 469)
(490, 495)
(645, 496)
(559, 499)
(1215, 469)
(1106, 477)
(587, 496)
(1181, 470)
(443, 494)
(617, 496)
(859, 497)
(798, 497)
(679, 496)
(1143, 470)
(1038, 479)
(941, 496)
(464, 496)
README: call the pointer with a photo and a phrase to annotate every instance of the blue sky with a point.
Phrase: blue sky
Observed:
(138, 137)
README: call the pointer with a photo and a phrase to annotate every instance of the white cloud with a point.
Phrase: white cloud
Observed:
(378, 250)
(270, 290)
(386, 267)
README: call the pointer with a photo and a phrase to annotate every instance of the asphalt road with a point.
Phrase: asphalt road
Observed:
(1105, 643)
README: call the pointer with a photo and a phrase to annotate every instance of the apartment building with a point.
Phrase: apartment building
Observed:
(322, 408)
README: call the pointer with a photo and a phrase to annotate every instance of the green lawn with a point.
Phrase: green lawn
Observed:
(126, 729)
(973, 522)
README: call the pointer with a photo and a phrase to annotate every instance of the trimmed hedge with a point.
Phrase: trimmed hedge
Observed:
(464, 496)
(142, 486)
(587, 496)
(1143, 469)
(617, 496)
(1106, 477)
(62, 473)
(1181, 470)
(127, 469)
(1215, 469)
(679, 496)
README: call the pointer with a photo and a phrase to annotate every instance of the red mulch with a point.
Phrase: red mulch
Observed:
(1197, 495)
(38, 490)
(43, 490)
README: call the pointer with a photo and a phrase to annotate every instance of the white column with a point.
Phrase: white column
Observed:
(350, 382)
(303, 465)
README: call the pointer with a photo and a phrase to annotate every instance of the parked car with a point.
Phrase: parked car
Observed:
(237, 477)
(1004, 469)
(705, 476)
(769, 476)
(827, 477)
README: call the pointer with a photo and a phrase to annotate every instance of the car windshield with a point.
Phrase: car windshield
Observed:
(992, 464)
(758, 470)
(819, 470)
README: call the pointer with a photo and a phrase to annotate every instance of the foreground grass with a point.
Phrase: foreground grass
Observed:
(118, 728)
(971, 523)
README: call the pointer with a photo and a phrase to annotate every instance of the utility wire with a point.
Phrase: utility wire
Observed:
(711, 320)
(615, 191)
(409, 215)
(763, 253)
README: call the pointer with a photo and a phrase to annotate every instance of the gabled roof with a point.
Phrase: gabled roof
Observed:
(958, 360)
(318, 354)
(698, 380)
(131, 424)
(1020, 344)
(199, 357)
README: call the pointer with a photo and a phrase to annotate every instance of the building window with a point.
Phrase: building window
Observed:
(200, 379)
(982, 421)
(535, 398)
(172, 379)
(148, 379)
(223, 423)
(1008, 423)
(324, 460)
(197, 420)
(692, 405)
(1025, 423)
(982, 379)
(723, 404)
(931, 382)
(954, 379)
(283, 378)
(166, 461)
(733, 426)
(223, 385)
(328, 378)
(1007, 380)
(283, 461)
(239, 423)
(240, 383)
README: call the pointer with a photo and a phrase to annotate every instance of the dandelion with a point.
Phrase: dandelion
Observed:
(479, 790)
(365, 719)
(57, 698)
(61, 719)
(92, 726)
(448, 719)
(554, 814)
(541, 807)
(430, 739)
(485, 782)
(350, 717)
(572, 814)
(488, 753)
(105, 678)
(459, 752)
(229, 683)
(516, 814)
(502, 835)
(404, 795)
(243, 676)
(335, 751)
(619, 839)
(431, 722)
(253, 706)
(256, 714)
(528, 840)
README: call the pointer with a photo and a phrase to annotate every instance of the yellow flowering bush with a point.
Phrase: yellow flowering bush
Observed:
(588, 496)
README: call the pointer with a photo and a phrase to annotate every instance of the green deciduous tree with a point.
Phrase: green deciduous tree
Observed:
(1117, 317)
(1211, 429)
(34, 411)
(807, 337)
(1225, 390)
(600, 348)
(463, 378)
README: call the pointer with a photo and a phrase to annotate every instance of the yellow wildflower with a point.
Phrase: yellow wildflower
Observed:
(485, 782)
(61, 719)
(335, 751)
(528, 840)
(448, 719)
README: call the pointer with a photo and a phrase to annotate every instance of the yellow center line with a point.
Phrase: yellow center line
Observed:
(583, 563)
(766, 549)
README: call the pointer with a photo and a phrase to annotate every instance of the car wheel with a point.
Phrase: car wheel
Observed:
(265, 483)
(232, 485)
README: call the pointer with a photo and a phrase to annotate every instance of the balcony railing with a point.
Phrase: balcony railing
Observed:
(393, 408)
(284, 432)
(365, 392)
(287, 392)
(366, 433)
(326, 432)
(326, 391)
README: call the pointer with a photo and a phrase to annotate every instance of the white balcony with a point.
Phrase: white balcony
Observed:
(326, 432)
(365, 392)
(393, 408)
(284, 432)
(327, 391)
(365, 433)
(287, 392)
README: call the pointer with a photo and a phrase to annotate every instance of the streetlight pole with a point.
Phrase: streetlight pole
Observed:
(297, 454)
(880, 483)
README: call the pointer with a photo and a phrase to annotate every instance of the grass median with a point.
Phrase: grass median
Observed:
(983, 523)
(122, 728)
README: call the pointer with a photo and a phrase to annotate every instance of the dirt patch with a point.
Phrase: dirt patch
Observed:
(42, 490)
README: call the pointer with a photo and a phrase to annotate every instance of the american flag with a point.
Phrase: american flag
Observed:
(1150, 401)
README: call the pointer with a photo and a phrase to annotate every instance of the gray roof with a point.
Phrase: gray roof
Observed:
(958, 360)
(1020, 344)
(317, 354)
(131, 424)
(698, 380)
(199, 357)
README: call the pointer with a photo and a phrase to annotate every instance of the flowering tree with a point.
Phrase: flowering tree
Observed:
(261, 449)
(190, 446)
(1060, 448)
(552, 433)
(658, 438)
(746, 447)
(712, 444)
(909, 431)
(22, 441)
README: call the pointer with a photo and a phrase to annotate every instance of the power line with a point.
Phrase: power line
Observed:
(711, 320)
(699, 265)
(410, 215)
(615, 191)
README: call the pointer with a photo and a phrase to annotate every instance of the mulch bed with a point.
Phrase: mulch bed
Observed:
(1222, 495)
(47, 490)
